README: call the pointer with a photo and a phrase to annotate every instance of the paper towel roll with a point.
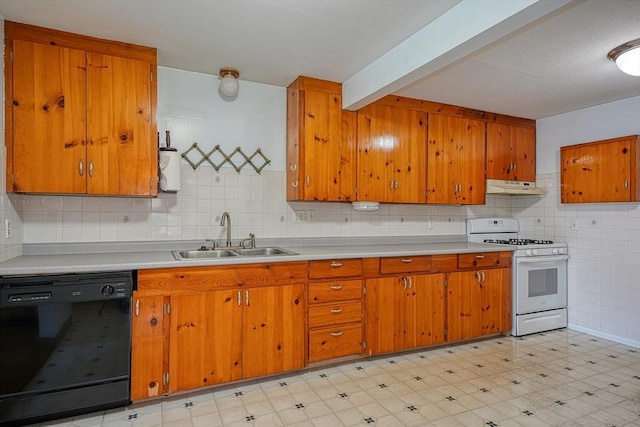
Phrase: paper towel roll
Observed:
(170, 176)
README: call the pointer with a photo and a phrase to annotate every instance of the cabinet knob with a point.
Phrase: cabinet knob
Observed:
(294, 167)
(337, 334)
(336, 310)
(336, 264)
(80, 168)
(407, 260)
(294, 184)
(335, 287)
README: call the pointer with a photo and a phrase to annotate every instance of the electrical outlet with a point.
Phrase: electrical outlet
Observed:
(311, 216)
(299, 216)
(574, 224)
(430, 224)
(7, 228)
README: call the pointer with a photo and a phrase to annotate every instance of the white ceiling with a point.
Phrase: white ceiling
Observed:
(556, 63)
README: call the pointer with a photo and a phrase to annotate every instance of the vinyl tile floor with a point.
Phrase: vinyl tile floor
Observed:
(556, 378)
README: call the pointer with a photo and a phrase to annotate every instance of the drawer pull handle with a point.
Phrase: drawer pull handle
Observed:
(479, 256)
(336, 310)
(407, 260)
(336, 287)
(337, 334)
(336, 264)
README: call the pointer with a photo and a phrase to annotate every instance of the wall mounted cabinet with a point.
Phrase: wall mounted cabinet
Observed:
(511, 152)
(601, 171)
(321, 141)
(456, 160)
(80, 114)
(391, 154)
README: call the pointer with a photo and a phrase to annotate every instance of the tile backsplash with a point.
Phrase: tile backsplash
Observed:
(257, 204)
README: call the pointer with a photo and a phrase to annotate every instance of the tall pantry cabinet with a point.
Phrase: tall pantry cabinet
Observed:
(80, 114)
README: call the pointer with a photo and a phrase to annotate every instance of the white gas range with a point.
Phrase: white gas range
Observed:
(539, 274)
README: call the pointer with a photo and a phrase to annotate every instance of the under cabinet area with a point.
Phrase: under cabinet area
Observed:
(82, 109)
(206, 326)
(195, 327)
(601, 171)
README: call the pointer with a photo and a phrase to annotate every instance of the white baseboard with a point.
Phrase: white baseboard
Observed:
(600, 334)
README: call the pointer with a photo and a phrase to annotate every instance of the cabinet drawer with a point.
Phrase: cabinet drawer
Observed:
(335, 268)
(484, 259)
(334, 314)
(333, 342)
(335, 291)
(405, 264)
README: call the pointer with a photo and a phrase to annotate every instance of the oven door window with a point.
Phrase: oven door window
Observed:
(540, 286)
(51, 346)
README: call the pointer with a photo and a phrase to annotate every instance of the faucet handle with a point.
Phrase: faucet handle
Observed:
(251, 240)
(212, 242)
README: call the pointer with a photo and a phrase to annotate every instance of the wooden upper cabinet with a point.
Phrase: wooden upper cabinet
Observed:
(455, 160)
(80, 114)
(511, 152)
(391, 154)
(321, 140)
(601, 171)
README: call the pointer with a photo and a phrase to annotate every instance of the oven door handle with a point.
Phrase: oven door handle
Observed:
(542, 259)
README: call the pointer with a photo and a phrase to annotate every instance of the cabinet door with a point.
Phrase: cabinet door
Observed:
(121, 150)
(425, 310)
(49, 121)
(455, 160)
(148, 353)
(274, 329)
(329, 159)
(385, 315)
(598, 172)
(495, 301)
(463, 306)
(511, 152)
(376, 142)
(205, 339)
(409, 156)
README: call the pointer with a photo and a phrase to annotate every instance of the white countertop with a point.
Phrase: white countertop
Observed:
(141, 259)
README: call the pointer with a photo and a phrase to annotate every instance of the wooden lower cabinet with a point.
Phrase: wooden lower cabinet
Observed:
(478, 303)
(208, 338)
(404, 312)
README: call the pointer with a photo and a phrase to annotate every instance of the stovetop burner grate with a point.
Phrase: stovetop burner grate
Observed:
(519, 242)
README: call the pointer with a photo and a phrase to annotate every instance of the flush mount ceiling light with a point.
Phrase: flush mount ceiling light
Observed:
(229, 82)
(627, 57)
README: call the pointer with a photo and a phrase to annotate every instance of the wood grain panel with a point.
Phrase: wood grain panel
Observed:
(385, 315)
(205, 339)
(49, 121)
(120, 125)
(203, 279)
(376, 143)
(335, 268)
(482, 259)
(335, 291)
(511, 152)
(410, 156)
(495, 301)
(334, 314)
(329, 343)
(425, 310)
(147, 348)
(274, 330)
(463, 306)
(405, 264)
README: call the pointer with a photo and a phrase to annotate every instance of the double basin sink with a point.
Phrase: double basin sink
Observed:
(224, 253)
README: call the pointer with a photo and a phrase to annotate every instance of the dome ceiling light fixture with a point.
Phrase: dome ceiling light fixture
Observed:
(229, 82)
(627, 57)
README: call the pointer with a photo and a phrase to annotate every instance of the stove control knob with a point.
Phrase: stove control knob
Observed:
(562, 251)
(534, 252)
(107, 290)
(527, 252)
(555, 251)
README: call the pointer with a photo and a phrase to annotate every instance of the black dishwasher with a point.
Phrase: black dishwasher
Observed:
(65, 344)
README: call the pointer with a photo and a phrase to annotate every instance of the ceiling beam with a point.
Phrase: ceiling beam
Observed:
(465, 28)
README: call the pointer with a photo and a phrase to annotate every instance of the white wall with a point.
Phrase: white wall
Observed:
(604, 269)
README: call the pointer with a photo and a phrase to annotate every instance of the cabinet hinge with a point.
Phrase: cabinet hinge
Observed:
(446, 331)
(165, 378)
(446, 283)
(364, 345)
(167, 309)
(151, 75)
(355, 190)
(364, 290)
(12, 178)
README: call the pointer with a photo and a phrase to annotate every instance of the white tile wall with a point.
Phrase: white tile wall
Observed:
(257, 204)
(604, 268)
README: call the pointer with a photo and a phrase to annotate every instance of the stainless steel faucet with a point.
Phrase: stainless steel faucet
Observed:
(226, 219)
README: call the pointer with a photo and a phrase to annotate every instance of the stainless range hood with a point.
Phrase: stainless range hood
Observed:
(514, 188)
